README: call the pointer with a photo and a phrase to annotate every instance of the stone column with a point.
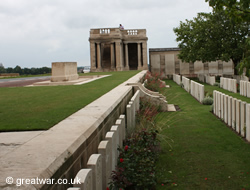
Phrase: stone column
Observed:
(98, 50)
(139, 56)
(126, 57)
(144, 56)
(92, 56)
(118, 53)
(112, 55)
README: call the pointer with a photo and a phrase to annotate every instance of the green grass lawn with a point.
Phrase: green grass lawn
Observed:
(38, 108)
(205, 153)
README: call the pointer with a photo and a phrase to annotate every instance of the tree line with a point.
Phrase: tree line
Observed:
(25, 71)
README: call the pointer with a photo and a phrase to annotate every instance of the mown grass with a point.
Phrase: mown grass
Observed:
(39, 108)
(205, 153)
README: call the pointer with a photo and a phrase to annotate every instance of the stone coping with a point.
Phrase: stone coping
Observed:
(43, 155)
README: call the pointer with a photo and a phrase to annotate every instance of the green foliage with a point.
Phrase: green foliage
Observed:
(26, 71)
(237, 10)
(136, 162)
(153, 82)
(210, 37)
(207, 100)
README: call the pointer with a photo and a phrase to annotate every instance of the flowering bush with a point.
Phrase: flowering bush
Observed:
(136, 162)
(153, 82)
(136, 165)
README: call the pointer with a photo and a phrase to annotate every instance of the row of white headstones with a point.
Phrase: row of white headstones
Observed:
(97, 175)
(235, 113)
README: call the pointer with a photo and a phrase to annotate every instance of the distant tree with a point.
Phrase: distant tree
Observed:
(18, 69)
(10, 70)
(2, 69)
(211, 37)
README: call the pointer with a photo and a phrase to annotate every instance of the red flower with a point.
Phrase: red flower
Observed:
(126, 148)
(107, 188)
(121, 160)
(205, 178)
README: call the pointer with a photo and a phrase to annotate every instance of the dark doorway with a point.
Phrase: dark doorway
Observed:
(133, 56)
(106, 58)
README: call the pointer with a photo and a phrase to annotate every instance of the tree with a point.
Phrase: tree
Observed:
(239, 11)
(2, 69)
(211, 37)
(236, 9)
(18, 69)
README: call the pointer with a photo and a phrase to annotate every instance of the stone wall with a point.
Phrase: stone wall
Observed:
(99, 167)
(166, 62)
(63, 150)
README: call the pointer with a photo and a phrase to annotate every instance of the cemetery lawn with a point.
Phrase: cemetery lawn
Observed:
(205, 153)
(41, 107)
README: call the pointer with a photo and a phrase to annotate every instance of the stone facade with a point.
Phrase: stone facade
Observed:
(113, 49)
(166, 62)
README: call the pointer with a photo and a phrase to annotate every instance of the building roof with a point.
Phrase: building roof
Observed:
(163, 49)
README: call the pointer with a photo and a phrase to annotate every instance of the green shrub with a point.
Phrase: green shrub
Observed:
(217, 84)
(207, 101)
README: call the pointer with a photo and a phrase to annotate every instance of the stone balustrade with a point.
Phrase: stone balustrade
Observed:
(235, 113)
(228, 84)
(99, 167)
(245, 88)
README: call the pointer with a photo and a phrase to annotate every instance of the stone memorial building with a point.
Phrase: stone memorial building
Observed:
(166, 61)
(114, 49)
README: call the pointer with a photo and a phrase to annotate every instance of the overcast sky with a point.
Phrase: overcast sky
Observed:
(35, 33)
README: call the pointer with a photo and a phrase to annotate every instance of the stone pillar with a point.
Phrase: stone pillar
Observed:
(99, 61)
(139, 56)
(118, 54)
(112, 55)
(144, 56)
(126, 57)
(92, 56)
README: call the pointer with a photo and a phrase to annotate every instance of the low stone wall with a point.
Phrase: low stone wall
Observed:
(63, 150)
(245, 88)
(234, 112)
(99, 167)
(228, 84)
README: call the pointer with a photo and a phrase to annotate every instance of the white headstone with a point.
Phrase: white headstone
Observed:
(85, 178)
(243, 119)
(104, 149)
(111, 137)
(248, 122)
(238, 109)
(95, 163)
